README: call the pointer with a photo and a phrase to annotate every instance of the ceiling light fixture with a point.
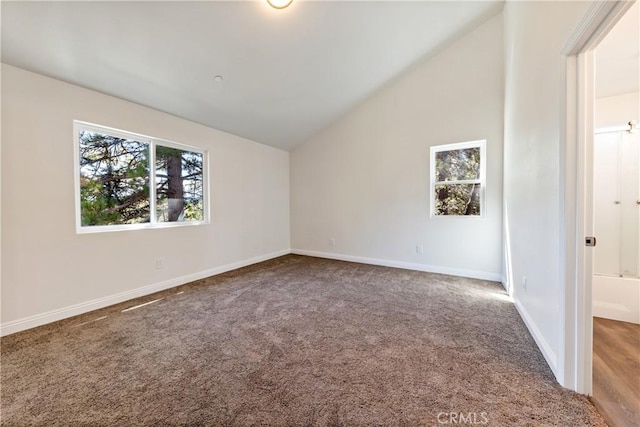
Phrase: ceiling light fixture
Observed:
(279, 4)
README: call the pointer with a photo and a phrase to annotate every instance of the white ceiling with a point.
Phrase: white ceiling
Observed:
(618, 57)
(287, 74)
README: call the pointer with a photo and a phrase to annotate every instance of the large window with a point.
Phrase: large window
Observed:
(129, 181)
(458, 179)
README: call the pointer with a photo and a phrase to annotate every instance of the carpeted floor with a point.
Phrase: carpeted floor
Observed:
(290, 342)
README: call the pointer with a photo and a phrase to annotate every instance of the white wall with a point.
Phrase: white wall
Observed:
(364, 181)
(535, 34)
(50, 272)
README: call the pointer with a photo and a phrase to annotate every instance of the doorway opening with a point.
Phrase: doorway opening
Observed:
(577, 182)
(616, 224)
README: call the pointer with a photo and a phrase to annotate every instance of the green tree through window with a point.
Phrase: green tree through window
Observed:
(179, 192)
(115, 180)
(458, 179)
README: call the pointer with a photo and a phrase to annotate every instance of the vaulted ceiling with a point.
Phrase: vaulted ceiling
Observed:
(285, 74)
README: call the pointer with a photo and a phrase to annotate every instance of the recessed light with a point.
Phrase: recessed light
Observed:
(279, 4)
(218, 79)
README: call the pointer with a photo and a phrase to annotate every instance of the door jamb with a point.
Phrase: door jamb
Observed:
(577, 207)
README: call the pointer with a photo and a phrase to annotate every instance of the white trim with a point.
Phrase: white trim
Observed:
(153, 187)
(574, 369)
(141, 226)
(85, 307)
(584, 221)
(458, 145)
(568, 230)
(125, 134)
(505, 283)
(474, 274)
(599, 19)
(543, 345)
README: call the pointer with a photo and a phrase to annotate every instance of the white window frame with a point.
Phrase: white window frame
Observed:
(153, 142)
(482, 144)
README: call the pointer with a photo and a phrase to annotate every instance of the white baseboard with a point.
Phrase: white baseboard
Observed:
(484, 275)
(505, 282)
(84, 307)
(543, 345)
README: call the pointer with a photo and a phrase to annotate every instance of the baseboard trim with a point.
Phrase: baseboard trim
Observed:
(85, 307)
(543, 345)
(401, 264)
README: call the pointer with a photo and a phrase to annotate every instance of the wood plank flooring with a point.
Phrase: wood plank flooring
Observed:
(616, 371)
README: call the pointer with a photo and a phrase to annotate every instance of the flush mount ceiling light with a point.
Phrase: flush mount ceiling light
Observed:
(279, 4)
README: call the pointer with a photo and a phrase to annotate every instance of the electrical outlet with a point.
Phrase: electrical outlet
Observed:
(419, 249)
(332, 241)
(524, 282)
(160, 263)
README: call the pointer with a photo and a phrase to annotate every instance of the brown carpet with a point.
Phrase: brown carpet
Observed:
(293, 341)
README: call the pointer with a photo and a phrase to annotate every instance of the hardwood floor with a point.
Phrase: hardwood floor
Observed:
(616, 371)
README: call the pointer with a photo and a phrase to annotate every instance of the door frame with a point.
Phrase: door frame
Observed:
(576, 155)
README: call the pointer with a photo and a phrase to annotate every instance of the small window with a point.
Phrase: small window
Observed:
(117, 189)
(458, 179)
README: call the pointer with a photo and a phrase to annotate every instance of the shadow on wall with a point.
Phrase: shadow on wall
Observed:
(507, 280)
